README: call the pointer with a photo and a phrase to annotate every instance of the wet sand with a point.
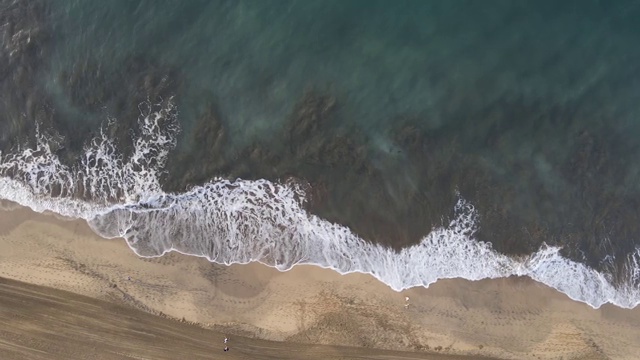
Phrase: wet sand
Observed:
(132, 307)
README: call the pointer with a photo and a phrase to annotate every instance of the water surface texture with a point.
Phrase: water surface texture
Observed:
(413, 140)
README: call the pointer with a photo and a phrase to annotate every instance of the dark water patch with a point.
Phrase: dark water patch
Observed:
(95, 93)
(537, 173)
(349, 184)
(74, 108)
(558, 176)
(25, 42)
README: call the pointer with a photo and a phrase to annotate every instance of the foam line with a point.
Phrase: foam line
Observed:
(230, 222)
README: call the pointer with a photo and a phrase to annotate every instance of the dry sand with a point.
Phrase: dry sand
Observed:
(40, 323)
(514, 318)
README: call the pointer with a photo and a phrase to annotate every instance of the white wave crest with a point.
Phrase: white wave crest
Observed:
(102, 175)
(244, 221)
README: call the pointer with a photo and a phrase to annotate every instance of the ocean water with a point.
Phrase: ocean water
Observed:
(412, 140)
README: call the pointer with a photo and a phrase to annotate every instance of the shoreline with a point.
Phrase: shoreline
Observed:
(502, 318)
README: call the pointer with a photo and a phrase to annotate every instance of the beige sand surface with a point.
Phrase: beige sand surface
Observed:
(41, 323)
(507, 318)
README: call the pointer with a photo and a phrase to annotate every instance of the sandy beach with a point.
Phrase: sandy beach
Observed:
(513, 318)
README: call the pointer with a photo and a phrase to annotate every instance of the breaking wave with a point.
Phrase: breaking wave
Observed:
(246, 221)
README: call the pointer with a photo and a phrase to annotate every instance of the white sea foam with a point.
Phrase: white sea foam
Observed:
(244, 221)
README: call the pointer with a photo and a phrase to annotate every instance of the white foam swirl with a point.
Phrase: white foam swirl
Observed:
(101, 176)
(243, 221)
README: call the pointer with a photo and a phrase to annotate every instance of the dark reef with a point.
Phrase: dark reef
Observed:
(576, 200)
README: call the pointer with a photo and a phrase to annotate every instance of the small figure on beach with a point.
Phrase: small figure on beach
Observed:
(226, 339)
(226, 348)
(406, 302)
